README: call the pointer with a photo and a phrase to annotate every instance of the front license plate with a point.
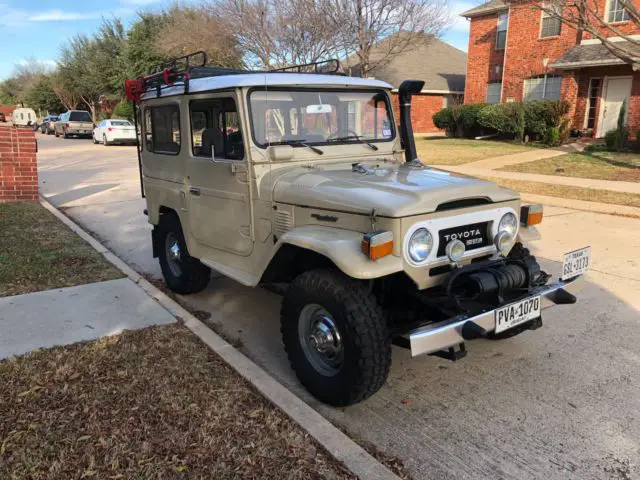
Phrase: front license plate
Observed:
(516, 313)
(576, 263)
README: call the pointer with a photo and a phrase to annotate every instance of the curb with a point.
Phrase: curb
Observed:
(339, 445)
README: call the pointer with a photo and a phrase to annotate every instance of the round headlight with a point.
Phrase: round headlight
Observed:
(504, 242)
(508, 223)
(420, 245)
(455, 250)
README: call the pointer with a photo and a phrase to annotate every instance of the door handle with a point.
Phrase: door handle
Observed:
(194, 191)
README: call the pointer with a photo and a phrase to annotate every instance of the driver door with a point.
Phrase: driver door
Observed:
(217, 176)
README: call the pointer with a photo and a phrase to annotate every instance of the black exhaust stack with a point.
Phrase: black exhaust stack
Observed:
(408, 88)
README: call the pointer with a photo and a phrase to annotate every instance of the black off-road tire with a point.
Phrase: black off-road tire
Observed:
(363, 330)
(195, 276)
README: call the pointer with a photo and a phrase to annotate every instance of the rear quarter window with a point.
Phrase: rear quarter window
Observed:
(79, 117)
(162, 129)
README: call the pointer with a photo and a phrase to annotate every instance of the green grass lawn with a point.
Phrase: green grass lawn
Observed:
(595, 164)
(566, 191)
(457, 151)
(37, 252)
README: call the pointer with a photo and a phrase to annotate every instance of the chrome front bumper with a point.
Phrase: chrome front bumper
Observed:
(448, 333)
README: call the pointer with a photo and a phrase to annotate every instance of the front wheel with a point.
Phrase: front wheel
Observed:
(336, 337)
(182, 273)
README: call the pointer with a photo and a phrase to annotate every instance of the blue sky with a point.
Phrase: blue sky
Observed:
(37, 28)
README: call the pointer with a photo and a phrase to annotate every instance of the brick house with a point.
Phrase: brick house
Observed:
(440, 65)
(516, 52)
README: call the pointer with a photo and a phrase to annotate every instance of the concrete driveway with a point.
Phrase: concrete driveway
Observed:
(562, 402)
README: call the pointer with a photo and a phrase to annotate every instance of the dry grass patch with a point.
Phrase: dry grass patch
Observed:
(458, 151)
(154, 403)
(594, 164)
(37, 252)
(565, 191)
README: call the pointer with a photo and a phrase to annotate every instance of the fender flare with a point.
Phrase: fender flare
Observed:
(342, 247)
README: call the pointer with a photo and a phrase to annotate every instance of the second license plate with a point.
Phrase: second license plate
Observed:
(516, 313)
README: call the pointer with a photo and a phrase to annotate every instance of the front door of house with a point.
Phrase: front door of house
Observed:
(616, 91)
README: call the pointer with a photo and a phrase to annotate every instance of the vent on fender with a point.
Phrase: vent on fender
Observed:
(283, 221)
(464, 203)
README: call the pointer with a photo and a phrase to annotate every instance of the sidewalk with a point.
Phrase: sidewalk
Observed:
(532, 155)
(75, 314)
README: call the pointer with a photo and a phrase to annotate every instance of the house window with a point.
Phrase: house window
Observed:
(617, 12)
(592, 112)
(551, 21)
(494, 92)
(501, 36)
(542, 88)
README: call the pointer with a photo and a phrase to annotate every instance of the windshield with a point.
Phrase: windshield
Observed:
(289, 116)
(79, 117)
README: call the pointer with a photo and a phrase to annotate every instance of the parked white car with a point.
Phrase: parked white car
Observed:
(113, 131)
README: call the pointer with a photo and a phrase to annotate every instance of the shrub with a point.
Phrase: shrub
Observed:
(444, 120)
(612, 138)
(552, 136)
(461, 120)
(123, 110)
(541, 115)
(504, 117)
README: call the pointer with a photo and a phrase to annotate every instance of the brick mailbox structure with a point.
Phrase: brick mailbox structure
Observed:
(18, 164)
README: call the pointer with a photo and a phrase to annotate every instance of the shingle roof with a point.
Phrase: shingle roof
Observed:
(485, 9)
(585, 56)
(440, 65)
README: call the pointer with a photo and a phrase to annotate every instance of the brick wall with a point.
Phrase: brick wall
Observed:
(482, 58)
(423, 107)
(18, 165)
(526, 51)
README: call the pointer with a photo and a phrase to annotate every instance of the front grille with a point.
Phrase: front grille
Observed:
(473, 236)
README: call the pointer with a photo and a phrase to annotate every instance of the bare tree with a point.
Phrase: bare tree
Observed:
(392, 26)
(275, 33)
(197, 28)
(68, 96)
(588, 16)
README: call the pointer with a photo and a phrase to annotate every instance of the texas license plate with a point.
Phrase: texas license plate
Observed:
(516, 313)
(576, 263)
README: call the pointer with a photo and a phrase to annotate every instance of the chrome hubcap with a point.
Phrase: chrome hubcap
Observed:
(172, 247)
(320, 339)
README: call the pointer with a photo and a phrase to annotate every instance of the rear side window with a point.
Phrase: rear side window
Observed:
(162, 129)
(79, 117)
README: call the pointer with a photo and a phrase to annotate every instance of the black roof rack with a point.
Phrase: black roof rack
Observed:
(181, 70)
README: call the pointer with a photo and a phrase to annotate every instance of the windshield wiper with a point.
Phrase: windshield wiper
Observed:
(303, 144)
(354, 137)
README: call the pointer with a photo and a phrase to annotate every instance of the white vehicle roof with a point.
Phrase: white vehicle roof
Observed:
(222, 82)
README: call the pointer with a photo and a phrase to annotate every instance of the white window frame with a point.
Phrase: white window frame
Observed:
(505, 30)
(544, 15)
(586, 113)
(487, 93)
(545, 90)
(608, 11)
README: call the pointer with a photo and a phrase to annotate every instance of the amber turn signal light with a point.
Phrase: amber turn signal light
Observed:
(376, 245)
(531, 215)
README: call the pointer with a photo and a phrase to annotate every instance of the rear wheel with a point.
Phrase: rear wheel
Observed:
(336, 337)
(182, 273)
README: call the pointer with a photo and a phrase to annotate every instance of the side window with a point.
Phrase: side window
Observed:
(215, 129)
(162, 129)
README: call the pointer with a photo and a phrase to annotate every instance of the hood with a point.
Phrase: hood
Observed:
(394, 191)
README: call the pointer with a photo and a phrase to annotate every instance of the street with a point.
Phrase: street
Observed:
(561, 402)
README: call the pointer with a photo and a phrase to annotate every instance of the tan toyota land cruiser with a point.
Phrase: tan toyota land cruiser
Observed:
(300, 177)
